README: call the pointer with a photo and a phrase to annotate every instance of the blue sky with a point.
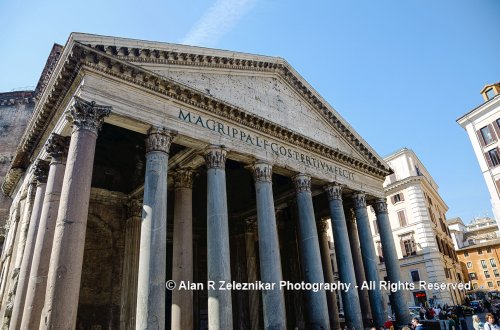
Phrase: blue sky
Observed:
(400, 72)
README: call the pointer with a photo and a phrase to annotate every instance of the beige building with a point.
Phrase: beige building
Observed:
(418, 221)
(150, 166)
(483, 128)
(480, 230)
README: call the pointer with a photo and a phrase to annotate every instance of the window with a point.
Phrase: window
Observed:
(489, 251)
(490, 284)
(493, 263)
(415, 276)
(447, 273)
(466, 254)
(408, 247)
(479, 251)
(498, 283)
(375, 227)
(469, 264)
(486, 135)
(397, 198)
(459, 277)
(490, 93)
(487, 274)
(472, 276)
(494, 157)
(474, 286)
(496, 273)
(483, 264)
(402, 218)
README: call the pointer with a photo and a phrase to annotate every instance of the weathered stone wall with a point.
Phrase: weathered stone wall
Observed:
(16, 109)
(100, 289)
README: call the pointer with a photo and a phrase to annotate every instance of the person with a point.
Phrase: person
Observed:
(389, 324)
(490, 322)
(476, 322)
(416, 324)
(437, 310)
(451, 322)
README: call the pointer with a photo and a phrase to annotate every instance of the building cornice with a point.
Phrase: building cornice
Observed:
(108, 61)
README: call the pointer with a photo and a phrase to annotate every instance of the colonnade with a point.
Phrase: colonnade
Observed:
(60, 209)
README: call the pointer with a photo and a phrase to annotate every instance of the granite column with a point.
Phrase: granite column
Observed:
(391, 261)
(370, 259)
(253, 295)
(273, 300)
(65, 270)
(364, 300)
(182, 259)
(220, 312)
(331, 296)
(350, 298)
(57, 148)
(316, 304)
(40, 174)
(153, 246)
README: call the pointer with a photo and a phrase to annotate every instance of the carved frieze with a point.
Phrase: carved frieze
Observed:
(359, 200)
(262, 172)
(302, 183)
(380, 206)
(215, 157)
(159, 139)
(57, 146)
(41, 171)
(333, 191)
(85, 115)
(183, 178)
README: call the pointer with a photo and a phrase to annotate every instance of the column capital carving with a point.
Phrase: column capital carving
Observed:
(87, 115)
(334, 191)
(183, 178)
(215, 157)
(359, 200)
(134, 208)
(262, 172)
(57, 146)
(380, 206)
(323, 225)
(41, 171)
(302, 183)
(159, 139)
(251, 225)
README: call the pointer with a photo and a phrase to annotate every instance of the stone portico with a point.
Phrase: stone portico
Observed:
(192, 164)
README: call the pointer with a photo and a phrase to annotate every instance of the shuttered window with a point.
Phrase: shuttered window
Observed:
(375, 227)
(492, 157)
(402, 218)
(397, 198)
(488, 134)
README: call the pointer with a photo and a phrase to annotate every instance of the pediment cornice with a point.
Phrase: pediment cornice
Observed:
(119, 63)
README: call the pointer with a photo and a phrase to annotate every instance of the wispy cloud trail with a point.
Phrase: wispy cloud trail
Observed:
(219, 19)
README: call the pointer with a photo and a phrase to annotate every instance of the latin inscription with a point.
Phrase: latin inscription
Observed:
(263, 143)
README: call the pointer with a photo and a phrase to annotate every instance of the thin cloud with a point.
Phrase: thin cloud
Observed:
(219, 19)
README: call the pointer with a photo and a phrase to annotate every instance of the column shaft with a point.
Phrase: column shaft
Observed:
(153, 247)
(220, 314)
(350, 298)
(65, 270)
(331, 296)
(316, 304)
(370, 259)
(41, 169)
(253, 295)
(364, 300)
(57, 147)
(182, 259)
(273, 301)
(391, 261)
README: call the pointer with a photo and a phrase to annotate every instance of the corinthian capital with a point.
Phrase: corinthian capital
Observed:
(183, 178)
(334, 191)
(380, 206)
(41, 171)
(87, 115)
(262, 172)
(302, 183)
(159, 139)
(359, 200)
(134, 208)
(57, 146)
(215, 157)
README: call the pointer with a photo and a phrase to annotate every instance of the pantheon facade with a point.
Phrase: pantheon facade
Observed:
(155, 182)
